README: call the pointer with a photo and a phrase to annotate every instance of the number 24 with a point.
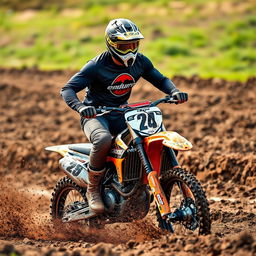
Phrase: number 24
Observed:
(151, 121)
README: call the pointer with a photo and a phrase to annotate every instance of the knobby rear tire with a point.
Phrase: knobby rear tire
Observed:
(59, 195)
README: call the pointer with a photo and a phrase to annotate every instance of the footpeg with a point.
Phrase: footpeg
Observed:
(80, 213)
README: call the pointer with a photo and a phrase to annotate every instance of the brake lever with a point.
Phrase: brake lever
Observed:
(102, 111)
(170, 99)
(173, 101)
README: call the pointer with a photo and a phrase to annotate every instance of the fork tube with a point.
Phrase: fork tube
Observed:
(171, 154)
(153, 180)
(143, 157)
(139, 146)
(158, 192)
(173, 158)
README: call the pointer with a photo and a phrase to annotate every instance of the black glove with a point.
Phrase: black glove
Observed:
(87, 111)
(180, 96)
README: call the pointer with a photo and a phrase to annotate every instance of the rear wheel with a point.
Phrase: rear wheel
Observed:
(185, 195)
(67, 198)
(67, 195)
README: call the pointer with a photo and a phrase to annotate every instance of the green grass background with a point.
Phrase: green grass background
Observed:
(210, 38)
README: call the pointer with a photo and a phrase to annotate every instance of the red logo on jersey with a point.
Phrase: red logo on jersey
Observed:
(122, 85)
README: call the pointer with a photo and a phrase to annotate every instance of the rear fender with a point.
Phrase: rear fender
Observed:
(61, 149)
(73, 163)
(73, 149)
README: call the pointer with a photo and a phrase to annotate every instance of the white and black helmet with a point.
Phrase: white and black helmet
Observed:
(122, 40)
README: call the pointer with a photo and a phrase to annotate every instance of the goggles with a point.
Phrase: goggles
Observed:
(125, 47)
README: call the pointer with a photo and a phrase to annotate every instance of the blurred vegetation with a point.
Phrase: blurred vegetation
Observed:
(211, 38)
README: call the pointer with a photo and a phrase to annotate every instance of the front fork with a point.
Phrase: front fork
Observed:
(153, 179)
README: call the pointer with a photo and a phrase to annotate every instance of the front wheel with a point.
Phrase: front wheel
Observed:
(185, 194)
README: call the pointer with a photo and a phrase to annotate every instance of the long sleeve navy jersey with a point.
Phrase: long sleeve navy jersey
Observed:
(108, 84)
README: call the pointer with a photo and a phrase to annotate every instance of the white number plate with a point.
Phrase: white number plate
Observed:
(146, 121)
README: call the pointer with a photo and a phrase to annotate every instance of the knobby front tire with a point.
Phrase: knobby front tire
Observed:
(180, 184)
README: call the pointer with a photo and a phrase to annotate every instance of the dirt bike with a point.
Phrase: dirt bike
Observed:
(142, 167)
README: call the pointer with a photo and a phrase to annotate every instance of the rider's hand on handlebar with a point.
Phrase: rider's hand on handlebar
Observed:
(87, 111)
(180, 96)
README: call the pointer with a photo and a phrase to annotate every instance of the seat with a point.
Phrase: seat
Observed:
(84, 148)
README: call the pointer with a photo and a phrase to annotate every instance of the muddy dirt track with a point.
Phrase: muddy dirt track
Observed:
(220, 121)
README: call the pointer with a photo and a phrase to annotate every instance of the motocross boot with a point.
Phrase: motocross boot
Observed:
(93, 191)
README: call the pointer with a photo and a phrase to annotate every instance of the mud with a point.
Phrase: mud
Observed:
(220, 121)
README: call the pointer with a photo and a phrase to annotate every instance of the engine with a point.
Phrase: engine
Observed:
(124, 209)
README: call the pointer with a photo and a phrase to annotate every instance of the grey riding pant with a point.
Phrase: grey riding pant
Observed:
(100, 131)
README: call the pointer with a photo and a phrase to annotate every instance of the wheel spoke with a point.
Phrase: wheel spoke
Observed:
(72, 197)
(180, 187)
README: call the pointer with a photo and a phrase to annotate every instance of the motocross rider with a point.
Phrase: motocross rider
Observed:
(108, 79)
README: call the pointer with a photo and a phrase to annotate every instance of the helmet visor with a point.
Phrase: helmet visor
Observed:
(126, 46)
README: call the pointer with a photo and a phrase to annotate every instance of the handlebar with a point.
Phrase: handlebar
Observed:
(104, 110)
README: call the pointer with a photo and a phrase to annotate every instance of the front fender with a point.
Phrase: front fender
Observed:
(154, 144)
(170, 139)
